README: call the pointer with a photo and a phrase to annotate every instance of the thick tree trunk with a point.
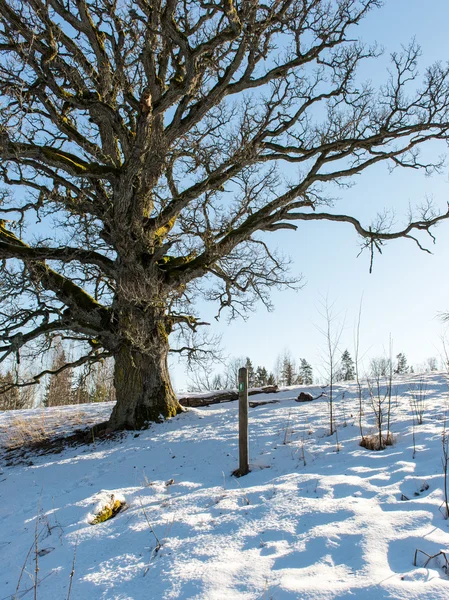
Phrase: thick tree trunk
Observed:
(143, 388)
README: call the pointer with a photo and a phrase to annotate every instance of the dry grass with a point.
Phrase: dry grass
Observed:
(372, 442)
(21, 432)
(48, 430)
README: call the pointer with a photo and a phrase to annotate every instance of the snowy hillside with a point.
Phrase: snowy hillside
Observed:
(315, 519)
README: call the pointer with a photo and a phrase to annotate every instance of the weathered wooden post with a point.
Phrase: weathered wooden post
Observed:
(243, 423)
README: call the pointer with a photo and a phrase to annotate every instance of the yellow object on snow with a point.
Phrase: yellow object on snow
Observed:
(108, 510)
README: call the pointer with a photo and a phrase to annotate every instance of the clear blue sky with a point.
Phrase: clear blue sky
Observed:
(408, 288)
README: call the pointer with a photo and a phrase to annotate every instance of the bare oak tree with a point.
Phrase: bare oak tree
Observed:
(144, 147)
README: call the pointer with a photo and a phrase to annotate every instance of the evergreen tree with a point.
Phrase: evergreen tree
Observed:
(59, 388)
(277, 370)
(271, 379)
(261, 377)
(10, 399)
(288, 371)
(305, 372)
(347, 367)
(27, 396)
(80, 394)
(401, 366)
(103, 389)
(251, 373)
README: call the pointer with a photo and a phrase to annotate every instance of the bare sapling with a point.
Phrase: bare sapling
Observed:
(380, 396)
(302, 448)
(444, 354)
(413, 436)
(418, 394)
(331, 332)
(389, 389)
(337, 446)
(306, 428)
(378, 402)
(357, 369)
(343, 406)
(445, 463)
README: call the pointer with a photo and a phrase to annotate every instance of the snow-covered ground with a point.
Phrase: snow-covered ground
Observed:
(308, 521)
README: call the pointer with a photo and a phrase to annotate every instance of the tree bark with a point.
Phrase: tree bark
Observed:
(143, 388)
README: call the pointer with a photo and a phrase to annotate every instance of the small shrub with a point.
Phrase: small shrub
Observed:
(373, 442)
(418, 394)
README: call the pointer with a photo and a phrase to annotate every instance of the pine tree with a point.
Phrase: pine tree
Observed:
(27, 396)
(251, 374)
(9, 400)
(271, 379)
(261, 377)
(347, 367)
(288, 371)
(80, 394)
(103, 389)
(401, 366)
(277, 370)
(59, 389)
(305, 372)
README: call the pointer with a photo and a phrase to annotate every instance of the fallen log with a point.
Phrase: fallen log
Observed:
(268, 389)
(256, 403)
(195, 401)
(224, 396)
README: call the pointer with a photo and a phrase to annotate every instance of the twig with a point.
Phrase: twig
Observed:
(25, 592)
(287, 428)
(15, 596)
(72, 572)
(244, 495)
(36, 548)
(430, 557)
(337, 447)
(158, 542)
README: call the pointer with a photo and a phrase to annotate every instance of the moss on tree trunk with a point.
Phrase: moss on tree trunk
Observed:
(143, 388)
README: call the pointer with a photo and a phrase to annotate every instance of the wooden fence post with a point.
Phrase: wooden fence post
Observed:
(243, 423)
